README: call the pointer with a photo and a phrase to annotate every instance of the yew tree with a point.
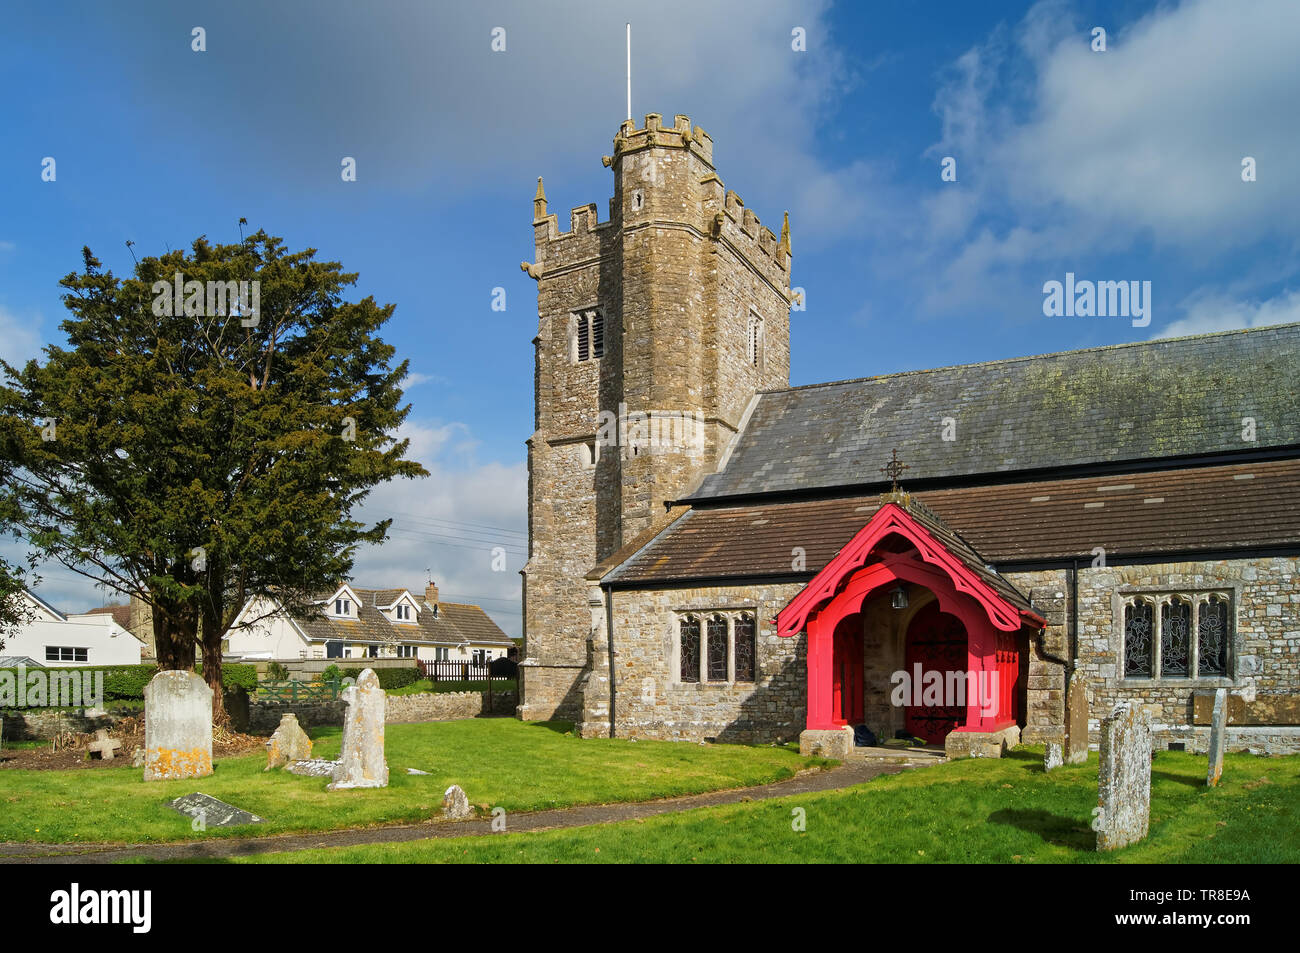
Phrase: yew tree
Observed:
(199, 442)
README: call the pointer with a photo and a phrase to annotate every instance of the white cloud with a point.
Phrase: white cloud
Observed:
(451, 523)
(1213, 311)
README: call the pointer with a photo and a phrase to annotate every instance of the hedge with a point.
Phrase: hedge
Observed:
(389, 678)
(128, 681)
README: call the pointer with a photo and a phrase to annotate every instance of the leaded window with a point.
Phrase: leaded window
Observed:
(744, 638)
(690, 649)
(1212, 637)
(717, 646)
(1175, 636)
(1139, 647)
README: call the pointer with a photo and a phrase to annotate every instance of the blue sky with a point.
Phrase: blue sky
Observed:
(1122, 165)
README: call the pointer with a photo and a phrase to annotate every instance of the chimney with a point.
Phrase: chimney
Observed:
(431, 595)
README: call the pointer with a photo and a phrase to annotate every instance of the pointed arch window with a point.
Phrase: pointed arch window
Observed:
(1212, 637)
(1177, 635)
(1139, 646)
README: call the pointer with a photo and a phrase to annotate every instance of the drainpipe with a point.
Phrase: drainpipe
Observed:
(609, 636)
(1074, 622)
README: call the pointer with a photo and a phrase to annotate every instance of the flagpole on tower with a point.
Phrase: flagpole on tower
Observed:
(629, 71)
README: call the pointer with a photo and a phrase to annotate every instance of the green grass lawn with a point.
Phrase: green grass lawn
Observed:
(500, 762)
(980, 811)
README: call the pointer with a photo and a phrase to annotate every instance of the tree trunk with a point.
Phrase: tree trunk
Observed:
(174, 631)
(210, 631)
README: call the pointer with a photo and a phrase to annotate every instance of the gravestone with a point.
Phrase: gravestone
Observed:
(288, 743)
(1218, 737)
(1052, 756)
(1123, 812)
(211, 812)
(177, 727)
(103, 745)
(1076, 722)
(455, 804)
(315, 768)
(362, 763)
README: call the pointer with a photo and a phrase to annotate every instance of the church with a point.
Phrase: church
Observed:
(976, 556)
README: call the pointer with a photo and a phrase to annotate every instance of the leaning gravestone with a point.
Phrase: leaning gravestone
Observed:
(289, 743)
(177, 727)
(455, 804)
(211, 812)
(362, 763)
(1052, 756)
(1218, 737)
(1076, 722)
(1124, 778)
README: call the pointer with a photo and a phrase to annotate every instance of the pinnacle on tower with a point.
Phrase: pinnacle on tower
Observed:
(785, 233)
(539, 202)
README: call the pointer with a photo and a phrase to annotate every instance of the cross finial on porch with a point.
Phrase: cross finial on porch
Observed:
(894, 468)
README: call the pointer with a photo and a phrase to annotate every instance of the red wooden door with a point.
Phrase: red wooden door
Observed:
(937, 641)
(846, 669)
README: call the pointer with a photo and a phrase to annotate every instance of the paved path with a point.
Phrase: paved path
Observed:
(805, 783)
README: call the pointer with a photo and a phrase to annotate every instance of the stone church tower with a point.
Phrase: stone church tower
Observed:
(655, 330)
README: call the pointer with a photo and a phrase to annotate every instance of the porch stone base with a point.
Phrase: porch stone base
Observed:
(981, 744)
(826, 743)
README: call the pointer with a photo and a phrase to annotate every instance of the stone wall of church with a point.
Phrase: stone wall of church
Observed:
(1264, 654)
(1045, 655)
(652, 702)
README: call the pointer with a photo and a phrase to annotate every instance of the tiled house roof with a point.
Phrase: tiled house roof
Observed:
(450, 624)
(1154, 400)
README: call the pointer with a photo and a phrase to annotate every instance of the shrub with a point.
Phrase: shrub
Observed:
(389, 677)
(276, 672)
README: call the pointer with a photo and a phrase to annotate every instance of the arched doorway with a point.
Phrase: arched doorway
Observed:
(846, 662)
(935, 642)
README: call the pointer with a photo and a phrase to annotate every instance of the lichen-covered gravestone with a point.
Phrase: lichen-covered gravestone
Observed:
(1218, 737)
(289, 743)
(361, 763)
(1052, 756)
(455, 804)
(1076, 722)
(177, 727)
(1124, 778)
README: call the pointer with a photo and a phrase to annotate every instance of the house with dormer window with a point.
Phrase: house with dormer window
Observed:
(355, 623)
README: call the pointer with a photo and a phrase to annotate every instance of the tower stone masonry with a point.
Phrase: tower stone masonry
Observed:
(655, 330)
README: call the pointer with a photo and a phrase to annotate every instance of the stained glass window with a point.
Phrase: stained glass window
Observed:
(745, 648)
(1175, 639)
(1138, 644)
(717, 649)
(1212, 638)
(690, 636)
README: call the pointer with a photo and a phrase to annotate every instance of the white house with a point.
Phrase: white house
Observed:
(351, 622)
(55, 639)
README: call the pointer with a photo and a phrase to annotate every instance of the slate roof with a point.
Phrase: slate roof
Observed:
(453, 623)
(1179, 511)
(1123, 403)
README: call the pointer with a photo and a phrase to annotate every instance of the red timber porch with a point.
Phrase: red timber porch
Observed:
(910, 632)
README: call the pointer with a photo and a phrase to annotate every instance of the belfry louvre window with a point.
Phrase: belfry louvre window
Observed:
(590, 336)
(755, 339)
(1177, 635)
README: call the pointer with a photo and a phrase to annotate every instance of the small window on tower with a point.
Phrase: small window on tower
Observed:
(755, 339)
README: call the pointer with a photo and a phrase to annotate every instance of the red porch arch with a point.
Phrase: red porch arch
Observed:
(905, 543)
